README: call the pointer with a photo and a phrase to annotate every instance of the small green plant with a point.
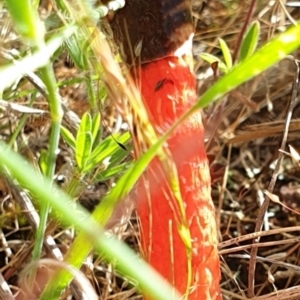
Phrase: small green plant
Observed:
(92, 153)
(248, 46)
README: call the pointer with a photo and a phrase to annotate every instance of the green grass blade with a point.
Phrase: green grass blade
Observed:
(113, 250)
(26, 19)
(84, 141)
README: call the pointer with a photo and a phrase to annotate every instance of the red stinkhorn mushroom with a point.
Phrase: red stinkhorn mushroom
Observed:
(155, 38)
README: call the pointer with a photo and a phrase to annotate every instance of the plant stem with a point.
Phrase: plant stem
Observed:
(56, 118)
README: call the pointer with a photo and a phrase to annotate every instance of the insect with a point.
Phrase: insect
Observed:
(159, 85)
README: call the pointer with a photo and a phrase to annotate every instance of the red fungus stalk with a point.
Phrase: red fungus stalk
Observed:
(178, 234)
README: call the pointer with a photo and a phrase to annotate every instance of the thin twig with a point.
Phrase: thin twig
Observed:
(253, 235)
(266, 244)
(263, 209)
(242, 32)
(289, 293)
(71, 119)
(294, 268)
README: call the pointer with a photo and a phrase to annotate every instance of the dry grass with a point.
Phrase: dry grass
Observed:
(245, 142)
(244, 133)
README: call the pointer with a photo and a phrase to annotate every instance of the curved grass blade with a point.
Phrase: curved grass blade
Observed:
(43, 191)
(26, 20)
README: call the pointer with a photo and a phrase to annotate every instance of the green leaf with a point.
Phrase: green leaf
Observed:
(95, 126)
(83, 149)
(114, 163)
(84, 141)
(250, 41)
(106, 149)
(75, 51)
(226, 53)
(212, 59)
(112, 171)
(68, 137)
(43, 161)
